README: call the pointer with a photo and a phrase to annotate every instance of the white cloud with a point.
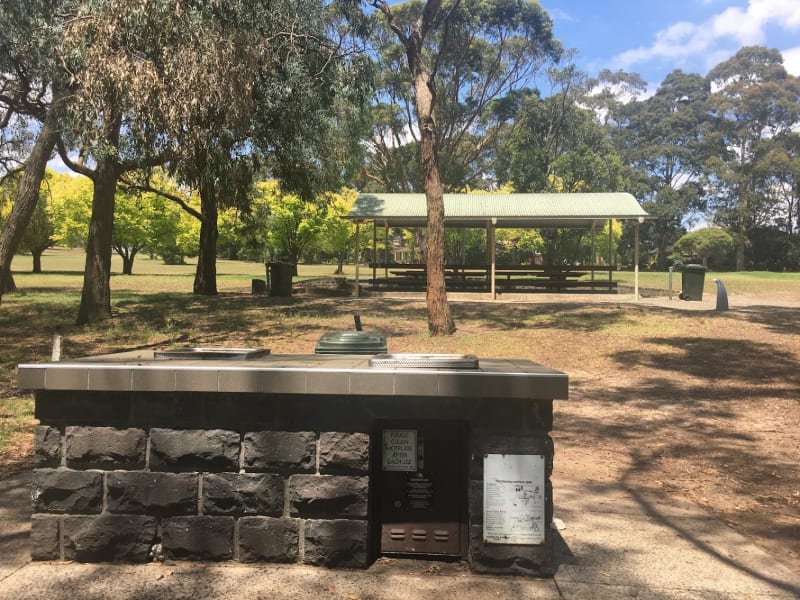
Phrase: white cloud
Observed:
(791, 60)
(744, 26)
(558, 14)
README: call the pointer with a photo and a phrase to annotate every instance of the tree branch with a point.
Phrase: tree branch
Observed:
(172, 197)
(79, 168)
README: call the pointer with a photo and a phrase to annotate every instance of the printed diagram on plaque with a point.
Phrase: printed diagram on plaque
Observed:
(513, 499)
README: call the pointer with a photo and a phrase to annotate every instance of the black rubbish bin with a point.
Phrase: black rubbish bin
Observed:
(279, 278)
(351, 342)
(692, 281)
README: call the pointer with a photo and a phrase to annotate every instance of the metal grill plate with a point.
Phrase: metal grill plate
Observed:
(209, 353)
(425, 361)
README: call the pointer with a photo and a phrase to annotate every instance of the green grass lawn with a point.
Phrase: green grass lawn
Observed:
(63, 269)
(744, 282)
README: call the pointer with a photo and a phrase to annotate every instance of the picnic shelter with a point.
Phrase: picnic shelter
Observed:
(493, 211)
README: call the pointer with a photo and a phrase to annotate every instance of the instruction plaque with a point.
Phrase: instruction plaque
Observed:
(400, 450)
(513, 499)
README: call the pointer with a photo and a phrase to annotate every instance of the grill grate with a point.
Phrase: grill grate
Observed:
(425, 361)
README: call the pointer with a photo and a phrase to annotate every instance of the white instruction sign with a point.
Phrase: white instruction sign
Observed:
(513, 499)
(400, 450)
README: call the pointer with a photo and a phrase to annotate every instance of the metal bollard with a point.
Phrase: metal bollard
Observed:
(722, 295)
(58, 346)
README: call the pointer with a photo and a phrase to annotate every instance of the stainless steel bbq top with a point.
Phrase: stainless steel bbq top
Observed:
(425, 361)
(414, 375)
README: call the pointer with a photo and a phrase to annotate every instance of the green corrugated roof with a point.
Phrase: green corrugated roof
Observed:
(509, 210)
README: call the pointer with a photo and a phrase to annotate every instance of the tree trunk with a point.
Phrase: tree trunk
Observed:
(96, 295)
(205, 278)
(27, 196)
(127, 262)
(37, 260)
(439, 320)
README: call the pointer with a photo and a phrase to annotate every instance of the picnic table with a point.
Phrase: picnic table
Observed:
(509, 278)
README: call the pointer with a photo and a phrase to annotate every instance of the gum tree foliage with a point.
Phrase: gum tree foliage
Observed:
(662, 142)
(196, 86)
(482, 52)
(777, 169)
(558, 146)
(753, 100)
(31, 92)
(443, 65)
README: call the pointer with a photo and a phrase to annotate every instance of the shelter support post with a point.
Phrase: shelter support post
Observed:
(374, 252)
(593, 260)
(610, 246)
(358, 255)
(492, 257)
(636, 259)
(386, 249)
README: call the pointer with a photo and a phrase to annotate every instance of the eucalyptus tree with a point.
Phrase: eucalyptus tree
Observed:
(31, 96)
(753, 99)
(558, 145)
(777, 168)
(663, 142)
(483, 51)
(445, 63)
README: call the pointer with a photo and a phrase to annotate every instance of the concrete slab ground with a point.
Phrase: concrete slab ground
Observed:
(614, 544)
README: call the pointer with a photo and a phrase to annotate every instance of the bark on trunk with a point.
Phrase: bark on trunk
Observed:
(27, 196)
(37, 261)
(439, 320)
(205, 279)
(127, 263)
(96, 295)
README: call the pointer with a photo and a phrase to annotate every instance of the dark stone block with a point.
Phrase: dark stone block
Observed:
(239, 411)
(47, 445)
(44, 537)
(209, 450)
(243, 494)
(343, 453)
(105, 448)
(167, 409)
(280, 451)
(328, 496)
(508, 559)
(139, 492)
(67, 491)
(268, 539)
(198, 538)
(109, 538)
(54, 407)
(339, 543)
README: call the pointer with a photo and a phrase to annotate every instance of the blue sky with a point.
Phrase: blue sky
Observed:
(654, 37)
